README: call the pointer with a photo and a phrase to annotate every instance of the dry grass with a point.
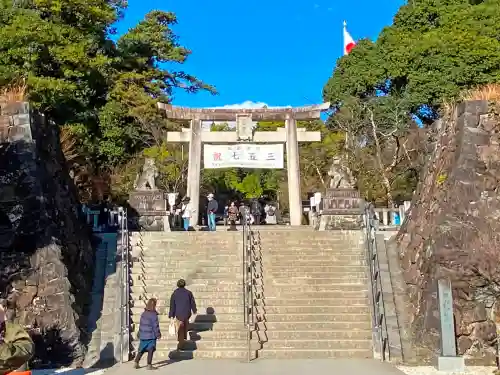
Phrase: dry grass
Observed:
(13, 93)
(68, 144)
(489, 92)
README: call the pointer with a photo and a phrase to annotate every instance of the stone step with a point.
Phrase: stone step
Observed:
(280, 288)
(269, 302)
(323, 344)
(299, 269)
(202, 344)
(314, 353)
(315, 326)
(312, 309)
(188, 275)
(290, 261)
(288, 274)
(217, 296)
(207, 326)
(341, 279)
(220, 325)
(299, 301)
(213, 317)
(318, 317)
(189, 267)
(196, 289)
(282, 248)
(266, 233)
(200, 301)
(193, 268)
(269, 279)
(270, 276)
(266, 258)
(268, 336)
(342, 334)
(269, 289)
(240, 354)
(271, 243)
(199, 280)
(201, 309)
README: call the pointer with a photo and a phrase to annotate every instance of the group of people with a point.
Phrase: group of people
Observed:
(182, 311)
(255, 213)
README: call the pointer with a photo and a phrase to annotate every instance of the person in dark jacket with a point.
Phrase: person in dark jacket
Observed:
(149, 332)
(182, 303)
(212, 208)
(256, 211)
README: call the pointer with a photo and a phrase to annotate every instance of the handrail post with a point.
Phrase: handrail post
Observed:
(244, 274)
(378, 311)
(248, 276)
(124, 285)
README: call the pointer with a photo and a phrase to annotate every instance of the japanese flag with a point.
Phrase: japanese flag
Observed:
(349, 43)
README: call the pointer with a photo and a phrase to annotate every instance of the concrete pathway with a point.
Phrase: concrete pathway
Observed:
(264, 367)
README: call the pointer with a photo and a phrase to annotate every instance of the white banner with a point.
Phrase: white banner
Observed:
(243, 155)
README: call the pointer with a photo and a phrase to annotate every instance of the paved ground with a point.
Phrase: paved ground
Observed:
(265, 367)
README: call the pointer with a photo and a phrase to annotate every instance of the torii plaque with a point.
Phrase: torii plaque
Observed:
(290, 135)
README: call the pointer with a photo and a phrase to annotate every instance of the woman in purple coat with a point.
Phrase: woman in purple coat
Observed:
(149, 332)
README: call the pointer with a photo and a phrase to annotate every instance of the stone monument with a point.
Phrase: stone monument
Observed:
(448, 360)
(148, 202)
(342, 203)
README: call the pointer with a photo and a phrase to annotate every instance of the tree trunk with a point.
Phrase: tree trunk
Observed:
(378, 152)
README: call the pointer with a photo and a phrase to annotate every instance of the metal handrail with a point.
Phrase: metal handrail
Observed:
(378, 311)
(124, 285)
(248, 280)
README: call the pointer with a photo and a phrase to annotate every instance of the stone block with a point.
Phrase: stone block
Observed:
(451, 364)
(15, 108)
(478, 107)
(340, 222)
(151, 222)
(468, 120)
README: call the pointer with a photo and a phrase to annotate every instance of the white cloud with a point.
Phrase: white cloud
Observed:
(248, 104)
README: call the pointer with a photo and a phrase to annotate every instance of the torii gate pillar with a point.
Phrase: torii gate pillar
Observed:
(291, 136)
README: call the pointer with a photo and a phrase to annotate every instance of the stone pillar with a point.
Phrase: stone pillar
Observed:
(194, 168)
(293, 171)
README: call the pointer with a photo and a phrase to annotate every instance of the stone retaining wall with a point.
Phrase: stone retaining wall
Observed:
(46, 258)
(453, 230)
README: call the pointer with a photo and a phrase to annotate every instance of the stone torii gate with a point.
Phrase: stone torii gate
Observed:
(290, 135)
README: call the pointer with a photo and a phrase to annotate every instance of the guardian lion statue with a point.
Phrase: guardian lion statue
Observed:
(145, 180)
(340, 175)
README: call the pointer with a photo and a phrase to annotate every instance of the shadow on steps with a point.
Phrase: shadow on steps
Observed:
(202, 323)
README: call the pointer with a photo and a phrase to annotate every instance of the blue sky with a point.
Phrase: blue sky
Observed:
(278, 52)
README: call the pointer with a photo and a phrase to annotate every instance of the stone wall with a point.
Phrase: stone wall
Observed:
(453, 231)
(46, 258)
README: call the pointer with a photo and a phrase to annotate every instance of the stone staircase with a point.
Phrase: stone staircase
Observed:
(315, 301)
(311, 292)
(211, 264)
(103, 320)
